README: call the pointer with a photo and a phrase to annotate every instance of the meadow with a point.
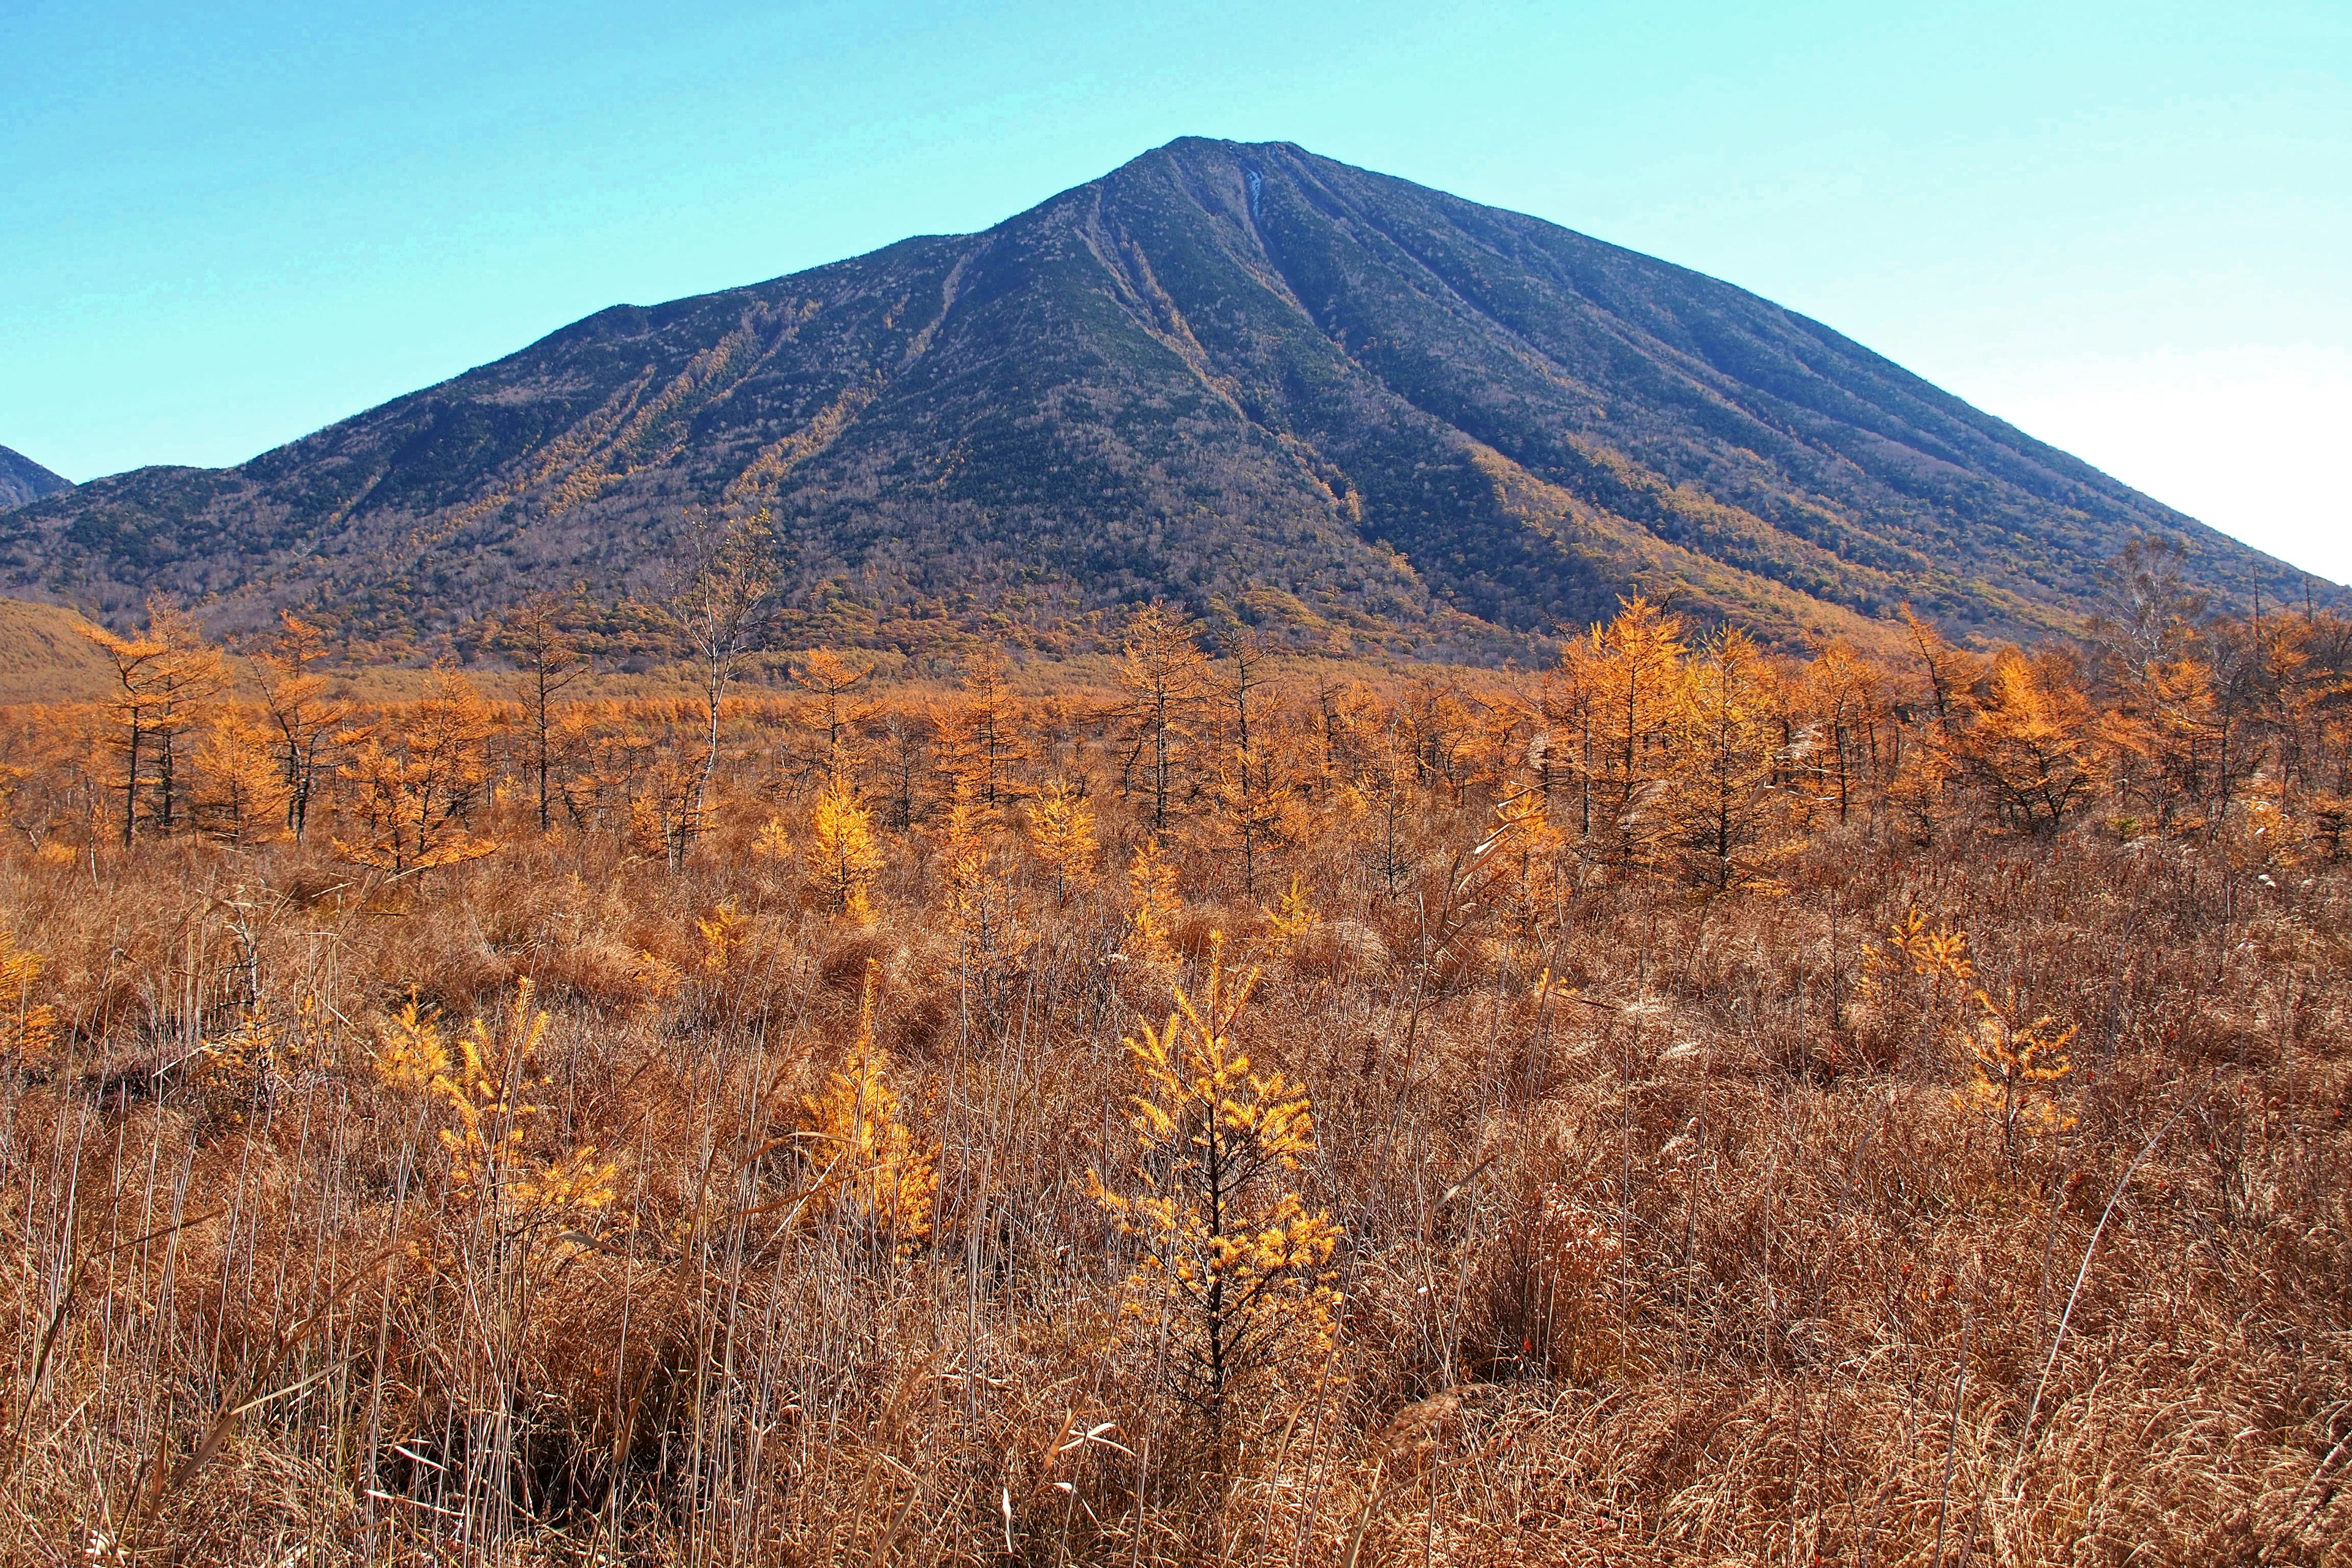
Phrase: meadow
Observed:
(1691, 1104)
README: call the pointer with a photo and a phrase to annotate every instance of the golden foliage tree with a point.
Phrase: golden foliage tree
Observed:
(842, 854)
(980, 912)
(1627, 684)
(715, 608)
(1911, 981)
(1842, 702)
(1290, 917)
(481, 1092)
(1233, 1266)
(835, 708)
(1381, 803)
(413, 796)
(2013, 1067)
(1251, 781)
(2030, 742)
(982, 736)
(872, 1173)
(241, 795)
(1930, 953)
(1726, 733)
(534, 632)
(725, 931)
(773, 842)
(1926, 758)
(1523, 855)
(27, 1028)
(306, 717)
(666, 786)
(1062, 835)
(1154, 904)
(165, 680)
(909, 729)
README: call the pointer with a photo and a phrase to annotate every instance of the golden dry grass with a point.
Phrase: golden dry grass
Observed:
(1669, 1236)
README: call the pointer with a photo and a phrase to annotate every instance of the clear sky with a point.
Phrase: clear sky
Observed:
(2126, 227)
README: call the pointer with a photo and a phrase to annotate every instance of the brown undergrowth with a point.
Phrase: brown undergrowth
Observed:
(1650, 1196)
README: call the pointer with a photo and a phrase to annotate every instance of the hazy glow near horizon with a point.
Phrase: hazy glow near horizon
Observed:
(2250, 440)
(2122, 227)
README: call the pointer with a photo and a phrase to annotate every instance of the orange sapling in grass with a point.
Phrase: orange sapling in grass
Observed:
(1940, 953)
(842, 854)
(27, 1028)
(415, 1058)
(2012, 1068)
(1910, 952)
(483, 1092)
(1290, 917)
(1156, 903)
(724, 932)
(861, 1150)
(656, 978)
(480, 1087)
(245, 1057)
(1062, 837)
(1234, 1261)
(773, 841)
(978, 907)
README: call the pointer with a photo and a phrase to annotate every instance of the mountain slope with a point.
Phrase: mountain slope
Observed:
(45, 656)
(1242, 376)
(23, 480)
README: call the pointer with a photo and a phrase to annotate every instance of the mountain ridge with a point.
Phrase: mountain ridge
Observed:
(1237, 375)
(23, 480)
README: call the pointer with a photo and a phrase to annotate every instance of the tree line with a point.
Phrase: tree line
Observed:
(1651, 748)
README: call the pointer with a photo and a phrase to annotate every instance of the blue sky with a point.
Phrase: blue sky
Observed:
(2125, 228)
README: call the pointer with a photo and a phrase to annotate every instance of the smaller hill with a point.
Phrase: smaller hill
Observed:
(44, 657)
(23, 480)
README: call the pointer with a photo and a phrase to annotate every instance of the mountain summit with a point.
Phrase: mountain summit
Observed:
(1237, 375)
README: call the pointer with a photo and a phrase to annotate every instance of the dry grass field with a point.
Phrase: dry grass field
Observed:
(1692, 1106)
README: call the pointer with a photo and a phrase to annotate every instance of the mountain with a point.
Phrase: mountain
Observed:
(1240, 376)
(23, 480)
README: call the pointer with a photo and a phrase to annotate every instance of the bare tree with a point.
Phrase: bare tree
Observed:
(534, 632)
(716, 605)
(1247, 651)
(834, 707)
(1165, 679)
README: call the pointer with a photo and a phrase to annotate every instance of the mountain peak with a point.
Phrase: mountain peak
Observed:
(1238, 375)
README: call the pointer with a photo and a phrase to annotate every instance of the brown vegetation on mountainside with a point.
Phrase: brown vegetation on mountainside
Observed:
(1686, 1105)
(44, 655)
